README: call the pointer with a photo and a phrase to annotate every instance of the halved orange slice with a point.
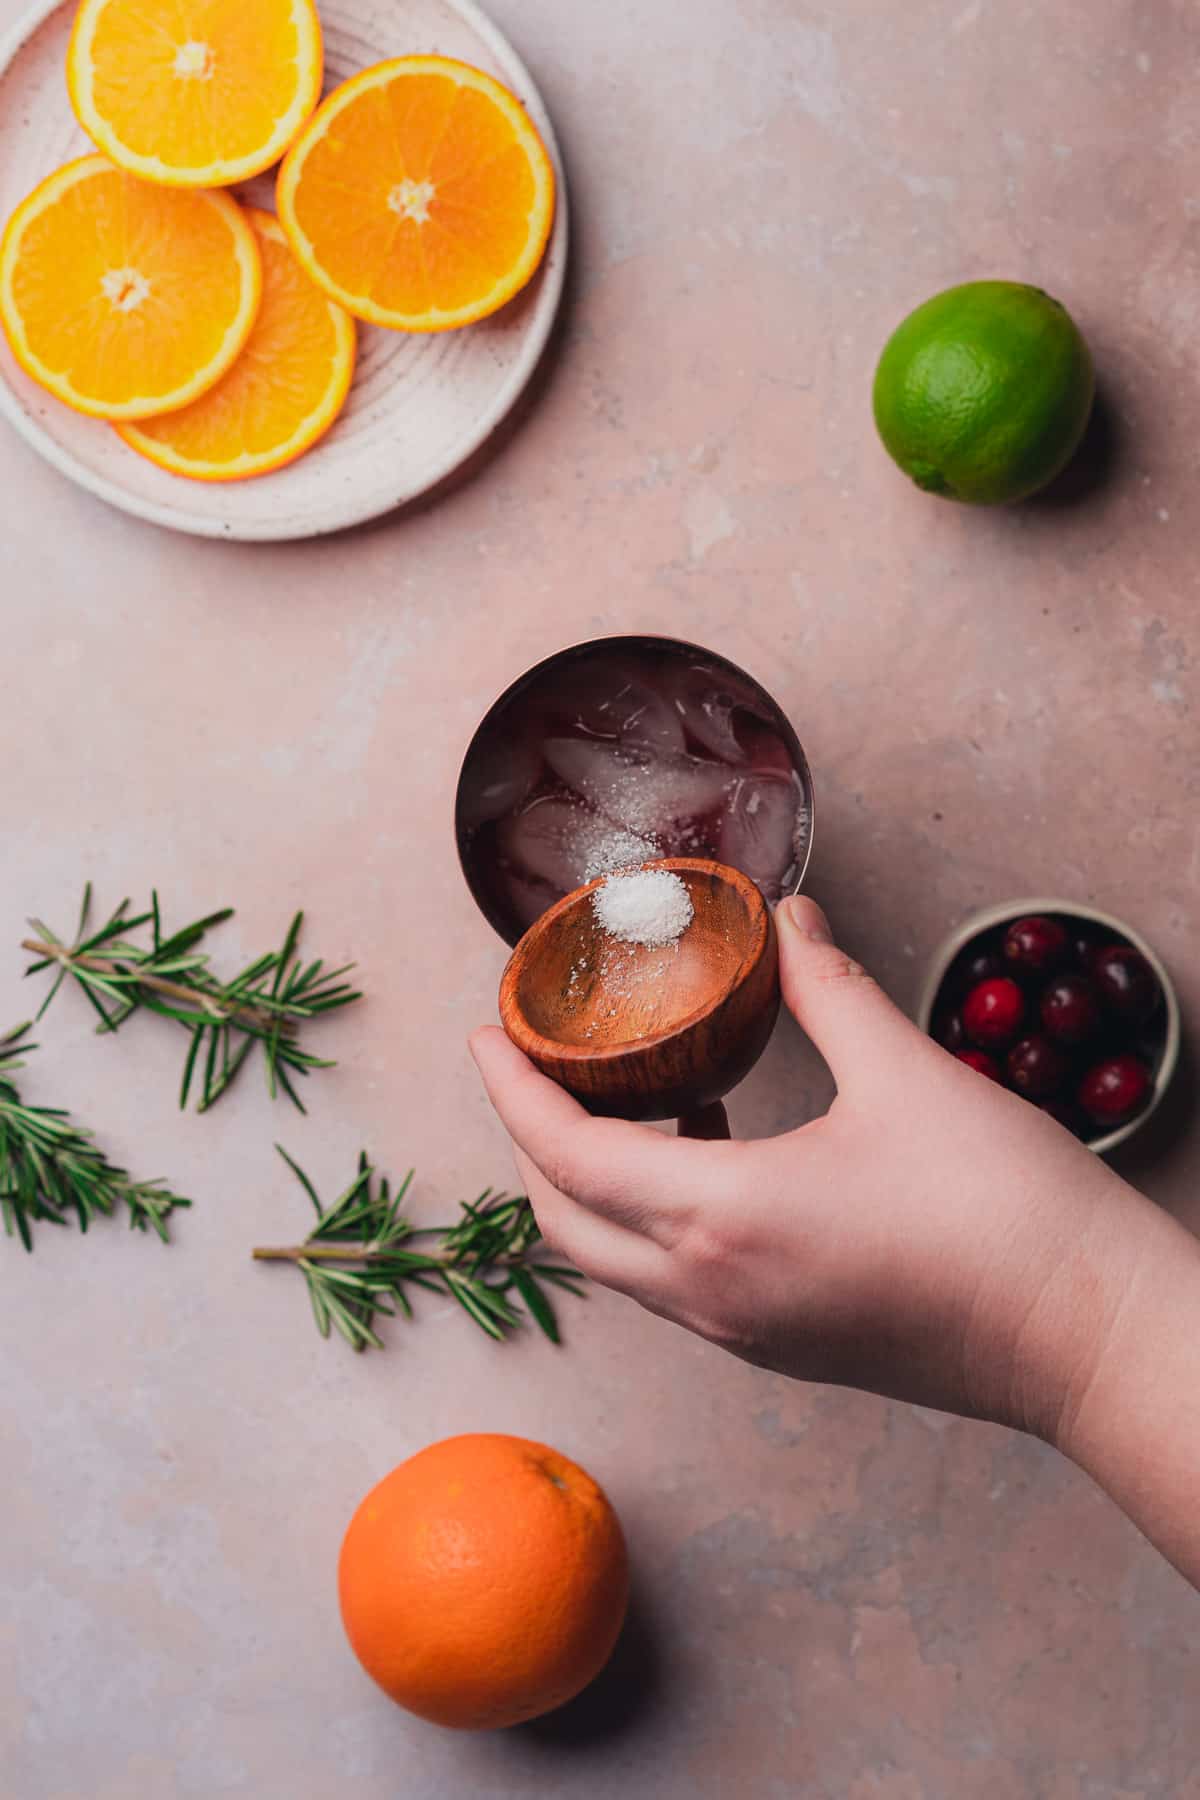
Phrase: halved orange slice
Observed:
(419, 195)
(123, 299)
(194, 93)
(283, 392)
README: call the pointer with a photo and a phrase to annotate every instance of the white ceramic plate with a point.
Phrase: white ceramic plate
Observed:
(420, 406)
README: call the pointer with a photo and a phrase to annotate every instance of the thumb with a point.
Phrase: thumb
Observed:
(845, 1012)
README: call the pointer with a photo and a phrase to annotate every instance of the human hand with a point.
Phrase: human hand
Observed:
(933, 1237)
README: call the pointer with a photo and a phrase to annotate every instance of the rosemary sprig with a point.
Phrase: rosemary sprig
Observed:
(265, 1004)
(50, 1168)
(358, 1260)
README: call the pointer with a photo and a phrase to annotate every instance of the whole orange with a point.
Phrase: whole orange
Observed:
(484, 1581)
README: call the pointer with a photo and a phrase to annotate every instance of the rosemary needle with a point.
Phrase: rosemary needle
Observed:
(359, 1260)
(170, 975)
(50, 1168)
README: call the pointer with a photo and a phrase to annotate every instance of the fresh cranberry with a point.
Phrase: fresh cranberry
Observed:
(1070, 1009)
(992, 1013)
(979, 965)
(1037, 1068)
(949, 1032)
(1128, 985)
(1083, 948)
(1035, 946)
(1114, 1090)
(981, 1062)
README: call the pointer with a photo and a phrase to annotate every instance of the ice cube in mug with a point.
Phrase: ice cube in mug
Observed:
(563, 842)
(610, 701)
(641, 789)
(758, 831)
(709, 705)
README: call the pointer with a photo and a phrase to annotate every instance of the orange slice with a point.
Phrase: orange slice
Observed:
(283, 392)
(194, 93)
(126, 300)
(419, 195)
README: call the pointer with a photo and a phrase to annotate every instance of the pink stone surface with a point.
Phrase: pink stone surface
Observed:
(836, 1597)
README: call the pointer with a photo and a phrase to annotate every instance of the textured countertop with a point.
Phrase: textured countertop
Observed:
(837, 1597)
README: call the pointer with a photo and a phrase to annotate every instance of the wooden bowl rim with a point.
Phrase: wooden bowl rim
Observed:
(534, 1043)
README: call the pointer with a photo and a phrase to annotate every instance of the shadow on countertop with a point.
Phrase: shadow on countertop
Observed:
(1099, 460)
(626, 1690)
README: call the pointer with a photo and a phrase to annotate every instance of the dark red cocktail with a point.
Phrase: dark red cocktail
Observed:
(620, 751)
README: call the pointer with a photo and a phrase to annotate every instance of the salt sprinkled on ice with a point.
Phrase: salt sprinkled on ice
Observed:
(650, 906)
(565, 844)
(613, 849)
(641, 791)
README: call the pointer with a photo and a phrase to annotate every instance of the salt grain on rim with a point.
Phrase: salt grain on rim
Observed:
(650, 906)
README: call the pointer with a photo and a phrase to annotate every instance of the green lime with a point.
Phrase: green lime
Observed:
(983, 393)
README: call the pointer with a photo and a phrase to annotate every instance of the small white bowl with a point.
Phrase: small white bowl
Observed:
(992, 916)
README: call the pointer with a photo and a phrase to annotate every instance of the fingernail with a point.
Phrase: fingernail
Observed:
(804, 916)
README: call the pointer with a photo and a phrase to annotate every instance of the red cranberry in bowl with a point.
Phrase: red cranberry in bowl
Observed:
(1128, 985)
(949, 1032)
(1070, 1010)
(979, 965)
(993, 1012)
(1083, 949)
(981, 1062)
(1113, 1090)
(1037, 1068)
(1035, 946)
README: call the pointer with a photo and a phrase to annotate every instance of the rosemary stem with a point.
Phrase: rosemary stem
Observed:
(314, 1253)
(367, 1253)
(219, 1012)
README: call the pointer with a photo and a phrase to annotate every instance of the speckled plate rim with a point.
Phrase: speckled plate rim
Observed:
(991, 916)
(541, 322)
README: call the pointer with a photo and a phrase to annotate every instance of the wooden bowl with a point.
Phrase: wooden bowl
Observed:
(641, 1033)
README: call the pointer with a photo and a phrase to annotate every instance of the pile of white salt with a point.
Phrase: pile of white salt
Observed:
(646, 906)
